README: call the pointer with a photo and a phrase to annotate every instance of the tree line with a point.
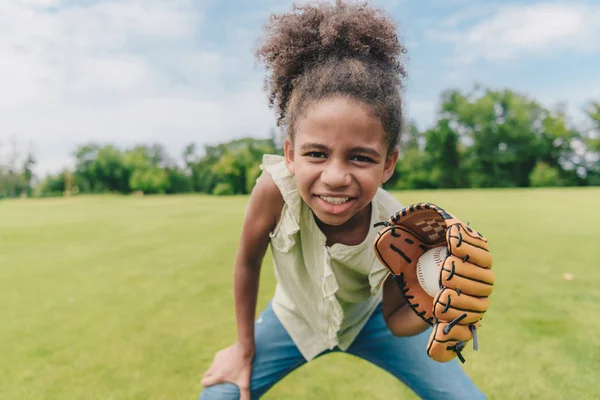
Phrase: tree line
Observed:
(482, 138)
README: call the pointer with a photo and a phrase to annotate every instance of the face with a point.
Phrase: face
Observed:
(339, 159)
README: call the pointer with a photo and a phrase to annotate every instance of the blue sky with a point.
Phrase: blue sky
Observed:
(181, 71)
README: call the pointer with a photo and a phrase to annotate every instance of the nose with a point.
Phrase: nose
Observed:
(335, 175)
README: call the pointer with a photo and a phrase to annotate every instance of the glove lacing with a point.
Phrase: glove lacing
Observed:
(401, 282)
(460, 345)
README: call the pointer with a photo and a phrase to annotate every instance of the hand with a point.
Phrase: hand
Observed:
(232, 364)
(400, 318)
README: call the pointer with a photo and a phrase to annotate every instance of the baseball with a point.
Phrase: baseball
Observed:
(428, 269)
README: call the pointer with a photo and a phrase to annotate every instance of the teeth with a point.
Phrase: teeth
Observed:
(335, 200)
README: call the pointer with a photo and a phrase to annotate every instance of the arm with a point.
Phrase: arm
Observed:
(262, 214)
(234, 363)
(399, 317)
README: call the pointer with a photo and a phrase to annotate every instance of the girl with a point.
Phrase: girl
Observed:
(335, 78)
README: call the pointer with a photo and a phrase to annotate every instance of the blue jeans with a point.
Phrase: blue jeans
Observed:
(404, 357)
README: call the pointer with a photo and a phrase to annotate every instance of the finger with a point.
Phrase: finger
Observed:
(462, 245)
(467, 277)
(209, 379)
(209, 372)
(450, 305)
(245, 393)
(244, 384)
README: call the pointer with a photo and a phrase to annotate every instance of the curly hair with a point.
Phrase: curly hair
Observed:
(320, 50)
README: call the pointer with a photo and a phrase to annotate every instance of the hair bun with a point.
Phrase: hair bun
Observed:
(310, 34)
(357, 30)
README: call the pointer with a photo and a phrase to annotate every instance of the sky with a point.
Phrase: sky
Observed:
(174, 72)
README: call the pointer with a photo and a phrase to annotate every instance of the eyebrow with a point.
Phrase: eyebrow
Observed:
(358, 149)
(366, 150)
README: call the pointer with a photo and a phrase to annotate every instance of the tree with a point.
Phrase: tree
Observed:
(593, 113)
(150, 172)
(234, 163)
(111, 170)
(85, 168)
(27, 171)
(52, 185)
(189, 155)
(15, 180)
(179, 181)
(544, 175)
(443, 158)
(158, 155)
(149, 180)
(412, 169)
(591, 142)
(504, 135)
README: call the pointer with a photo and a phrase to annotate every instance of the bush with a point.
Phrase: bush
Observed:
(223, 189)
(544, 175)
(149, 180)
(251, 176)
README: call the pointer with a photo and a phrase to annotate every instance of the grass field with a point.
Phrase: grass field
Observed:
(128, 298)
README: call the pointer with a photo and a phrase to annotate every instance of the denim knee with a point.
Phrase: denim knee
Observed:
(221, 391)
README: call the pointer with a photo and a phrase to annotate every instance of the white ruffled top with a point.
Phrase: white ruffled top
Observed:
(324, 294)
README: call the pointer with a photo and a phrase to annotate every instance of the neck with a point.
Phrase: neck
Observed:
(352, 232)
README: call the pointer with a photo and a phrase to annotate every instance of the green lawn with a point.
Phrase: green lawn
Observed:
(128, 298)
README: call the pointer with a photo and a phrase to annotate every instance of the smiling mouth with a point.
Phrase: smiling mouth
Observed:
(335, 200)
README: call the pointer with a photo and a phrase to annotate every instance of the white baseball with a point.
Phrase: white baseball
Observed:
(428, 269)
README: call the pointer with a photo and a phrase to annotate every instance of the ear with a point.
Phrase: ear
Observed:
(288, 151)
(389, 166)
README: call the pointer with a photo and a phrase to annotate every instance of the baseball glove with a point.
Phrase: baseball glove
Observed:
(465, 279)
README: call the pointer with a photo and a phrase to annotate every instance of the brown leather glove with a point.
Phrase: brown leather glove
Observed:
(465, 279)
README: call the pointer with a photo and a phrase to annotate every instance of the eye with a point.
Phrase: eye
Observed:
(315, 154)
(362, 159)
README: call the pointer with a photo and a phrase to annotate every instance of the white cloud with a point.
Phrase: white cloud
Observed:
(130, 71)
(118, 71)
(511, 31)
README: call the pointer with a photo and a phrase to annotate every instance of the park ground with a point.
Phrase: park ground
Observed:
(122, 297)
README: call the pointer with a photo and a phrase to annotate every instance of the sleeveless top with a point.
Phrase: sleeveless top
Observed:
(324, 294)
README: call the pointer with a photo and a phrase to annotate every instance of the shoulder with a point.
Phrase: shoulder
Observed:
(259, 220)
(265, 186)
(266, 195)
